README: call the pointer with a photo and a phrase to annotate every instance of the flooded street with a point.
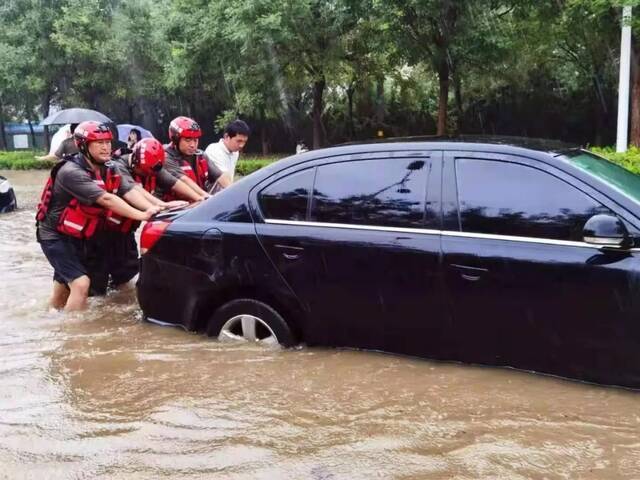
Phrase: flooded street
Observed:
(102, 394)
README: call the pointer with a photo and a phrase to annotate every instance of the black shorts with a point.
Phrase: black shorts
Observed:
(72, 258)
(122, 257)
(65, 256)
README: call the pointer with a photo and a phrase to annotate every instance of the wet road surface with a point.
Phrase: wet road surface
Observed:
(102, 394)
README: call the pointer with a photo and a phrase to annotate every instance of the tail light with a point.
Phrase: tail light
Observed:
(151, 233)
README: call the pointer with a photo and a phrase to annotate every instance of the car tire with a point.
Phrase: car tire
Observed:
(250, 320)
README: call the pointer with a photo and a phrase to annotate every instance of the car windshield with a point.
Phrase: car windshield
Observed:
(614, 175)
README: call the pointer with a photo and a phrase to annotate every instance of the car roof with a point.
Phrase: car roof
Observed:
(538, 144)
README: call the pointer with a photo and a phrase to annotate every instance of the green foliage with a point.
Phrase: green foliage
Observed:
(249, 164)
(341, 69)
(23, 160)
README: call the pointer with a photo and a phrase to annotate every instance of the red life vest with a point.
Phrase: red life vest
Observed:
(117, 223)
(148, 183)
(200, 175)
(77, 220)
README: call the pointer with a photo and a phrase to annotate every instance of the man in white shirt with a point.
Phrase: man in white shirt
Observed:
(225, 153)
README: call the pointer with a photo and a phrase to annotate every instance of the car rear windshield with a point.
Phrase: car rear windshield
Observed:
(614, 175)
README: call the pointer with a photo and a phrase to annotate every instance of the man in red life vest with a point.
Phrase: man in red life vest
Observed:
(186, 162)
(78, 199)
(143, 168)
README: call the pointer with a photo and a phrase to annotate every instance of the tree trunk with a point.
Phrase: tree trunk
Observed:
(601, 111)
(151, 117)
(318, 90)
(264, 140)
(33, 134)
(3, 134)
(130, 108)
(350, 127)
(380, 102)
(47, 139)
(44, 106)
(634, 133)
(457, 94)
(443, 100)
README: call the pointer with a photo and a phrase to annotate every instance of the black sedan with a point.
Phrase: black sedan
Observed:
(493, 251)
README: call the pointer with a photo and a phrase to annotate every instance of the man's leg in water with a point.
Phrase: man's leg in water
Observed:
(59, 296)
(78, 296)
(62, 254)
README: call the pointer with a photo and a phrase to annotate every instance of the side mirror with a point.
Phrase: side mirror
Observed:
(606, 231)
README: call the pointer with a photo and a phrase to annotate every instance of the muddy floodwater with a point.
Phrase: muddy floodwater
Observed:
(103, 394)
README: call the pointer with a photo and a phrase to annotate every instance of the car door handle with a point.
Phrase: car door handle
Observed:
(290, 252)
(472, 274)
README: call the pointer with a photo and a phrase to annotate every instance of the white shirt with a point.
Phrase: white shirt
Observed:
(58, 137)
(222, 158)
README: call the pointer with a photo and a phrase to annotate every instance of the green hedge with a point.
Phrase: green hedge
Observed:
(24, 160)
(248, 165)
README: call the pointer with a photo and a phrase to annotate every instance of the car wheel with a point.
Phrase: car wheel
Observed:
(250, 321)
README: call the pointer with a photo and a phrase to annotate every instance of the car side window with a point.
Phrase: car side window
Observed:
(287, 198)
(505, 198)
(385, 192)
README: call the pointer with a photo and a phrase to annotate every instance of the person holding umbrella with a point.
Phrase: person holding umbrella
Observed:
(128, 140)
(134, 137)
(66, 147)
(81, 194)
(73, 116)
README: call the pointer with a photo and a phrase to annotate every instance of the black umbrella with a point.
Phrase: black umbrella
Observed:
(74, 115)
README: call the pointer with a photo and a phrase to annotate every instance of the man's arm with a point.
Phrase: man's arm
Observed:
(136, 198)
(49, 156)
(183, 190)
(194, 186)
(116, 204)
(152, 199)
(79, 184)
(224, 180)
(159, 203)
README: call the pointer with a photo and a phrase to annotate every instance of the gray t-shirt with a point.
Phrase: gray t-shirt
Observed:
(66, 147)
(164, 179)
(173, 165)
(73, 180)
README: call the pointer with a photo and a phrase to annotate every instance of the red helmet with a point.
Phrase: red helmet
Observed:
(183, 127)
(90, 131)
(147, 157)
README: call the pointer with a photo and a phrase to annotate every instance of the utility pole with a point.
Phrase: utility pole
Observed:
(623, 88)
